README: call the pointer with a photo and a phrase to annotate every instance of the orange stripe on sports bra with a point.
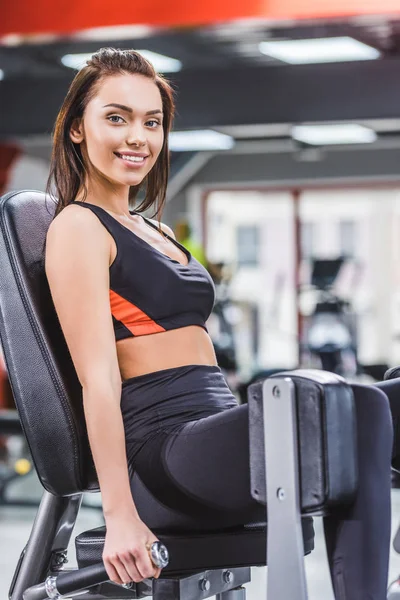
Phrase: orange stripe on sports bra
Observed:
(132, 317)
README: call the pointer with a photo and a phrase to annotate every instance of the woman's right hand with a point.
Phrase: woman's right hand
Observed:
(125, 555)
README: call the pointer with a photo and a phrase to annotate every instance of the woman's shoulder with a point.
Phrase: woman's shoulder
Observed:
(74, 222)
(75, 237)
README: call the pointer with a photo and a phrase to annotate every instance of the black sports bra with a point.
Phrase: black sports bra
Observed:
(151, 292)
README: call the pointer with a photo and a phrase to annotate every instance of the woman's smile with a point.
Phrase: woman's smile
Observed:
(133, 160)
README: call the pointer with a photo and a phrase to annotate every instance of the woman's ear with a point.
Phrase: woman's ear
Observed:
(76, 131)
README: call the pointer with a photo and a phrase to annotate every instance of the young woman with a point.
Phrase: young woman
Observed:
(133, 303)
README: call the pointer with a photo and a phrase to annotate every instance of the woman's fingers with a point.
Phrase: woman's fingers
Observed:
(131, 567)
(112, 572)
(127, 568)
(144, 563)
(123, 573)
(118, 573)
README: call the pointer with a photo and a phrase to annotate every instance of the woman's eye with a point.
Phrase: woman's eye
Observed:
(153, 123)
(114, 119)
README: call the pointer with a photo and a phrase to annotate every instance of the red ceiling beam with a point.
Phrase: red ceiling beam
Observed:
(70, 16)
(314, 9)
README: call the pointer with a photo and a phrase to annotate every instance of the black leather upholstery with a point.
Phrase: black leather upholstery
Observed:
(392, 373)
(43, 380)
(326, 431)
(194, 551)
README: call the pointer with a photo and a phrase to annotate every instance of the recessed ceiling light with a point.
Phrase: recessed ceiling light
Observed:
(114, 32)
(323, 135)
(75, 61)
(202, 139)
(1, 74)
(16, 39)
(161, 63)
(319, 50)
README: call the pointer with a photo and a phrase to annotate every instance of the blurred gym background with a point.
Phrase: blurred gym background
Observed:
(285, 184)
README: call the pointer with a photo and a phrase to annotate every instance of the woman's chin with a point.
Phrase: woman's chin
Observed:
(128, 181)
(135, 181)
(134, 177)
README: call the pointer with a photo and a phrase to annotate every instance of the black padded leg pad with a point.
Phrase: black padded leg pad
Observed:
(326, 431)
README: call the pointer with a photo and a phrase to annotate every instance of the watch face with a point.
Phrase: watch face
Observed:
(159, 555)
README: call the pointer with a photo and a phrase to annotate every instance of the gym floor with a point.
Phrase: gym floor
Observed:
(16, 523)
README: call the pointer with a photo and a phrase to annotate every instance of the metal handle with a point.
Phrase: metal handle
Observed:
(66, 583)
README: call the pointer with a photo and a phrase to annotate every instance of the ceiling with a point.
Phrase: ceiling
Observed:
(225, 83)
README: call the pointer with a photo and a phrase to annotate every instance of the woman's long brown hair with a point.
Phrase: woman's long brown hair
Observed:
(67, 168)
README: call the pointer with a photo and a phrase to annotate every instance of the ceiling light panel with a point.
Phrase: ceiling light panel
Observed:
(319, 50)
(206, 139)
(161, 63)
(117, 32)
(323, 135)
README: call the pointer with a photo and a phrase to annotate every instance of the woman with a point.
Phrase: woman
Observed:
(132, 303)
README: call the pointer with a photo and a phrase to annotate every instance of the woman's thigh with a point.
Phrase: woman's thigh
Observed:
(203, 469)
(209, 460)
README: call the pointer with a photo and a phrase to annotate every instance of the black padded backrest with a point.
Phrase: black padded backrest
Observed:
(46, 389)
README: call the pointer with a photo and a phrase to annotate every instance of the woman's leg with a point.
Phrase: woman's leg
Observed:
(203, 471)
(391, 388)
(358, 539)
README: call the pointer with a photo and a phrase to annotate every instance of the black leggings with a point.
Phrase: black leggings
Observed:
(201, 470)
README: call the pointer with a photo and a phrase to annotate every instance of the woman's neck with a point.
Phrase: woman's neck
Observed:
(108, 197)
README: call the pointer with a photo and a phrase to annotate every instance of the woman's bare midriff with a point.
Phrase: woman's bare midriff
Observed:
(148, 353)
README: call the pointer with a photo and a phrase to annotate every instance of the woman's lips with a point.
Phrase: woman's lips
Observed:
(132, 162)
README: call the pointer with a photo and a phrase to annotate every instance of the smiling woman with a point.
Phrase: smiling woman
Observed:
(126, 110)
(136, 158)
(131, 300)
(125, 131)
(133, 306)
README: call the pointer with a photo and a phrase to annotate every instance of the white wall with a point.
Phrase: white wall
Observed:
(371, 281)
(28, 173)
(270, 284)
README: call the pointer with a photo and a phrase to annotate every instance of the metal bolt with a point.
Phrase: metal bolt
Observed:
(276, 392)
(61, 558)
(281, 494)
(204, 585)
(228, 577)
(128, 586)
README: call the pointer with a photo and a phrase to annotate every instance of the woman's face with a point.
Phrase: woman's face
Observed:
(121, 132)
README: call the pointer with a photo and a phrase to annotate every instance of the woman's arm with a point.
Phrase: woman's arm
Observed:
(78, 251)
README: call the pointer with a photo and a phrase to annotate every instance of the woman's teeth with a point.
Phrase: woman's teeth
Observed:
(137, 159)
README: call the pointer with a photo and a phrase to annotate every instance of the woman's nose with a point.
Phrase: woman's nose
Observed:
(136, 137)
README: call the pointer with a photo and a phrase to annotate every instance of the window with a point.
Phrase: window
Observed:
(248, 245)
(347, 233)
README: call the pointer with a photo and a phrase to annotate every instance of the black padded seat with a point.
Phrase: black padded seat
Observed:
(243, 546)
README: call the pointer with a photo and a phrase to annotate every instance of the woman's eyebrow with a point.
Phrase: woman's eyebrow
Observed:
(129, 110)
